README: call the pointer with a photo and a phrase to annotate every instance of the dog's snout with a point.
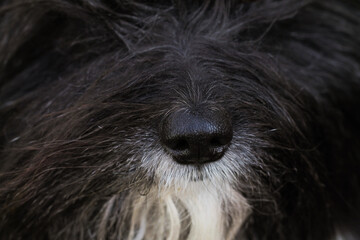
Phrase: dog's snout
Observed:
(196, 137)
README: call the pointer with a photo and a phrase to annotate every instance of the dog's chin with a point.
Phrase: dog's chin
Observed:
(193, 202)
(188, 201)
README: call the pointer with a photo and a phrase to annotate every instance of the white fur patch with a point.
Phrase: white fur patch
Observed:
(188, 202)
(201, 211)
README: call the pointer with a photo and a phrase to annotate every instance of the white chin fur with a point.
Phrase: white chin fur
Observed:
(188, 203)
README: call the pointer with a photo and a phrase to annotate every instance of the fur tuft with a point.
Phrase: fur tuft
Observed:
(86, 84)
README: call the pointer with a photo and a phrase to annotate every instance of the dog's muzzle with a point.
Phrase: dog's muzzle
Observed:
(196, 136)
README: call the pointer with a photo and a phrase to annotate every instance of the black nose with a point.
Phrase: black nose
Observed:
(196, 137)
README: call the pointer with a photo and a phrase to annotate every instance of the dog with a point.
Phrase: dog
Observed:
(198, 120)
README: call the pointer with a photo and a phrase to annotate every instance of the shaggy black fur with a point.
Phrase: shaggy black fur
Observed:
(85, 83)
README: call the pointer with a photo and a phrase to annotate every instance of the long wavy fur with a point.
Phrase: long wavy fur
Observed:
(85, 84)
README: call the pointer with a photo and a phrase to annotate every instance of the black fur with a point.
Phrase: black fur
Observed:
(85, 83)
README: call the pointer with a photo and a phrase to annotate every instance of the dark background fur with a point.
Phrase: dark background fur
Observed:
(84, 85)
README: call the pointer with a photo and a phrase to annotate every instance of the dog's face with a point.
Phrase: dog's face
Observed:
(176, 121)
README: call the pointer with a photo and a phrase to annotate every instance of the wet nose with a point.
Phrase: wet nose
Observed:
(196, 137)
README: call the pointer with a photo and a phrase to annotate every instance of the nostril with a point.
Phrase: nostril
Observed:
(217, 141)
(178, 144)
(220, 140)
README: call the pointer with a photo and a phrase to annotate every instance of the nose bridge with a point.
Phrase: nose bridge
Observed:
(195, 86)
